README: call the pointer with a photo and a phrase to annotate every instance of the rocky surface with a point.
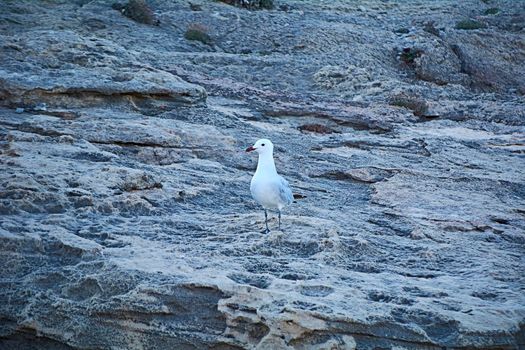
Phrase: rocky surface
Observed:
(126, 218)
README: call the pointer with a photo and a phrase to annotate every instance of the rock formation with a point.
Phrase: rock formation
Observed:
(126, 217)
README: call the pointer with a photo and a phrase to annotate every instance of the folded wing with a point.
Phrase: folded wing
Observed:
(285, 192)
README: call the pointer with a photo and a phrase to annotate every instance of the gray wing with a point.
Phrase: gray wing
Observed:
(285, 192)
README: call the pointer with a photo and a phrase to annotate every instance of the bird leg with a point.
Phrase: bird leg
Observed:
(279, 220)
(266, 221)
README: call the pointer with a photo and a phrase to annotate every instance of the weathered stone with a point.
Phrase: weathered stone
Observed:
(494, 61)
(126, 218)
(439, 64)
(89, 87)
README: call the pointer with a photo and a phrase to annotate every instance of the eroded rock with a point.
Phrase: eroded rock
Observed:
(97, 87)
(126, 219)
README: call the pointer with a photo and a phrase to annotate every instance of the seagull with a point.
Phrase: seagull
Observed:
(268, 188)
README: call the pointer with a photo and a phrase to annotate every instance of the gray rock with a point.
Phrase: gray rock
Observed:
(88, 87)
(438, 63)
(40, 107)
(495, 61)
(126, 218)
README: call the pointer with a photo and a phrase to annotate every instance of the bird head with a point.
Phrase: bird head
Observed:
(262, 146)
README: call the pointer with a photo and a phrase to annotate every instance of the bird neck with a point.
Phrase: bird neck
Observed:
(266, 164)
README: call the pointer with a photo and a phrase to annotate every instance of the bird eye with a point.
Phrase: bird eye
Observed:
(262, 144)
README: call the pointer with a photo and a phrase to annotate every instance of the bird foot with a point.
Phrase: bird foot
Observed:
(265, 231)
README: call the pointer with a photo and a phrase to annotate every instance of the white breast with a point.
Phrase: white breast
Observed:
(266, 193)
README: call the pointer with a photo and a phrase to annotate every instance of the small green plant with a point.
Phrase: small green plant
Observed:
(251, 4)
(429, 27)
(139, 11)
(491, 11)
(266, 4)
(470, 24)
(417, 105)
(198, 32)
(409, 54)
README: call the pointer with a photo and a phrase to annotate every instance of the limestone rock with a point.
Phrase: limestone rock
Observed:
(125, 214)
(494, 61)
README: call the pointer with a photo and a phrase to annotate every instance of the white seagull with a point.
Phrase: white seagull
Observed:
(268, 188)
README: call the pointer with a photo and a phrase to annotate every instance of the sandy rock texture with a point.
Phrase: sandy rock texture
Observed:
(126, 218)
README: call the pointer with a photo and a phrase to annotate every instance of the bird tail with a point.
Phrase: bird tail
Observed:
(298, 196)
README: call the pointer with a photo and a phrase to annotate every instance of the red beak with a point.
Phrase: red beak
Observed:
(251, 148)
